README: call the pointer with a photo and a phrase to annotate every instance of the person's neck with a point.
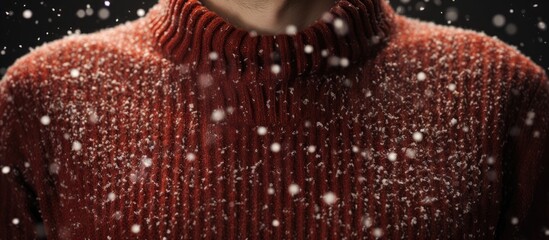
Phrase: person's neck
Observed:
(269, 16)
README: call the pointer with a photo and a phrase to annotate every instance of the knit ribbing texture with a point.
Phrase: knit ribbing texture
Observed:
(364, 125)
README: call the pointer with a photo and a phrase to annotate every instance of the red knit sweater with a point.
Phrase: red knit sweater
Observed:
(364, 125)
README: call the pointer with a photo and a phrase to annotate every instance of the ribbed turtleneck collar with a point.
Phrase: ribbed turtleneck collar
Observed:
(188, 32)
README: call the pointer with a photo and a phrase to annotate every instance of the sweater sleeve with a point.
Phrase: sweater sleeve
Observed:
(18, 220)
(525, 207)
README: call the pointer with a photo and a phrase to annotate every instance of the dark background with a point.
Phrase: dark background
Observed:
(524, 24)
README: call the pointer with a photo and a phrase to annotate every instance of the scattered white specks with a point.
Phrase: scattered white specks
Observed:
(453, 122)
(141, 12)
(136, 228)
(262, 131)
(547, 232)
(377, 232)
(276, 223)
(417, 136)
(76, 146)
(311, 149)
(6, 170)
(421, 76)
(329, 198)
(218, 115)
(291, 30)
(514, 220)
(75, 73)
(111, 196)
(308, 49)
(293, 189)
(146, 161)
(15, 221)
(27, 14)
(271, 191)
(275, 68)
(213, 56)
(392, 156)
(275, 147)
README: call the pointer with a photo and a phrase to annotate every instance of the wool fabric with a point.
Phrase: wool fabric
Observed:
(363, 125)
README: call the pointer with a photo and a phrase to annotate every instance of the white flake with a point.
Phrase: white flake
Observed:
(344, 62)
(421, 76)
(329, 198)
(218, 115)
(417, 136)
(54, 168)
(76, 146)
(377, 232)
(452, 87)
(340, 26)
(141, 12)
(308, 49)
(275, 147)
(498, 20)
(213, 56)
(275, 68)
(514, 220)
(75, 73)
(262, 131)
(293, 189)
(111, 196)
(27, 14)
(291, 30)
(392, 156)
(190, 156)
(136, 228)
(45, 120)
(147, 162)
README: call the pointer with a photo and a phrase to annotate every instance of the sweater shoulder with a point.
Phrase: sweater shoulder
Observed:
(452, 48)
(64, 58)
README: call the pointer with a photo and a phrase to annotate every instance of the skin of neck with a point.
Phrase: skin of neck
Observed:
(269, 16)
